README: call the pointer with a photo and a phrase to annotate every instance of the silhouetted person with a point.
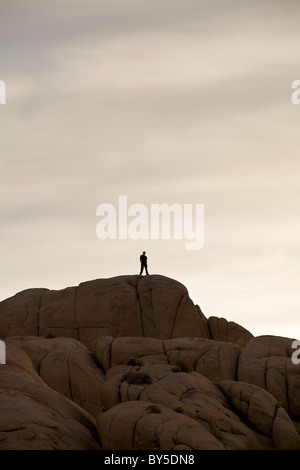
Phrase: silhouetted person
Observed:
(143, 260)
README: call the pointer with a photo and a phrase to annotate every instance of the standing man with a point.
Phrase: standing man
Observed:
(143, 260)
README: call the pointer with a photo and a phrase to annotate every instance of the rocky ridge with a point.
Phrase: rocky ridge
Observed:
(132, 363)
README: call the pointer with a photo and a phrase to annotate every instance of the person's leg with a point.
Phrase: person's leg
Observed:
(142, 269)
(146, 267)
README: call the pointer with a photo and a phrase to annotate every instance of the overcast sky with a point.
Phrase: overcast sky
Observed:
(174, 101)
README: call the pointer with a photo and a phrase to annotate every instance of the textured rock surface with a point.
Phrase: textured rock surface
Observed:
(66, 366)
(132, 425)
(266, 362)
(223, 330)
(33, 416)
(150, 306)
(214, 359)
(134, 364)
(262, 411)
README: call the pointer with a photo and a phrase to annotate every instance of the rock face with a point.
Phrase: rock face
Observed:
(150, 306)
(131, 363)
(34, 416)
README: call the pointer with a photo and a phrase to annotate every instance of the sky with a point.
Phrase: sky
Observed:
(174, 101)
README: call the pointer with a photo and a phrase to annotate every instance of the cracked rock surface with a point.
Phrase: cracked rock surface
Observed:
(150, 306)
(131, 363)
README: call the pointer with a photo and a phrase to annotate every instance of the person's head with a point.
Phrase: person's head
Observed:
(144, 252)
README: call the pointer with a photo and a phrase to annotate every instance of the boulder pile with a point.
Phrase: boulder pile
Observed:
(130, 363)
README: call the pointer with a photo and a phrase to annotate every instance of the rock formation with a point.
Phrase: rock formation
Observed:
(150, 306)
(131, 363)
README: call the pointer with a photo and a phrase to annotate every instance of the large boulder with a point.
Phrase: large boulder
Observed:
(151, 306)
(19, 315)
(67, 366)
(262, 411)
(190, 394)
(214, 359)
(36, 417)
(223, 330)
(266, 361)
(138, 426)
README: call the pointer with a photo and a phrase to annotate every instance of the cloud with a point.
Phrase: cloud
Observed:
(172, 101)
